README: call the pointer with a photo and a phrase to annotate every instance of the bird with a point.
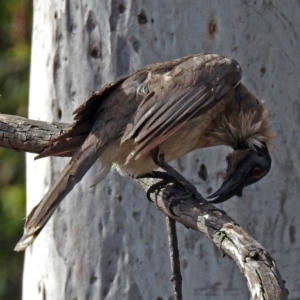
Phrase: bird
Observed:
(157, 114)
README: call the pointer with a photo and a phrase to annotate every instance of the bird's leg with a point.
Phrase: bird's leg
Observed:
(170, 176)
(156, 187)
(177, 177)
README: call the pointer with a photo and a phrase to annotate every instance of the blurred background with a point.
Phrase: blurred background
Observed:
(15, 35)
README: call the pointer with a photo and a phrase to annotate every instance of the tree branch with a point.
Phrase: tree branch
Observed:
(263, 278)
(176, 277)
(27, 135)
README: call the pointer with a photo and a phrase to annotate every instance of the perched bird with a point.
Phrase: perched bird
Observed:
(157, 114)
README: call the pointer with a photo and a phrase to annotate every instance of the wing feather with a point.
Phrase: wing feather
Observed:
(174, 98)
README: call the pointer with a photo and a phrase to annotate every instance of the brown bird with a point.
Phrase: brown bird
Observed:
(160, 113)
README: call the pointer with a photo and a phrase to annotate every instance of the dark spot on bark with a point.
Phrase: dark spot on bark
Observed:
(152, 21)
(58, 36)
(122, 59)
(41, 289)
(209, 190)
(142, 18)
(109, 191)
(135, 44)
(55, 15)
(96, 52)
(283, 199)
(122, 8)
(184, 263)
(56, 63)
(69, 19)
(93, 279)
(94, 49)
(114, 16)
(91, 21)
(262, 71)
(202, 173)
(72, 95)
(44, 294)
(212, 28)
(58, 113)
(100, 227)
(64, 227)
(119, 197)
(56, 73)
(136, 215)
(105, 292)
(292, 234)
(159, 298)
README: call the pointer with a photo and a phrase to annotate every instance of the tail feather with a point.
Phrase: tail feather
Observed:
(80, 163)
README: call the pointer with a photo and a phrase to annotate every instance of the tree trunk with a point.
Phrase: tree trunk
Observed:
(108, 241)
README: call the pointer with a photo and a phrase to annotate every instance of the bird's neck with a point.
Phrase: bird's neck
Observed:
(242, 123)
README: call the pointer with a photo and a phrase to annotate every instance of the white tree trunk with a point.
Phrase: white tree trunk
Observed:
(109, 242)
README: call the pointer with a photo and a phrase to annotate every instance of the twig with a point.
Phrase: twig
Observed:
(176, 277)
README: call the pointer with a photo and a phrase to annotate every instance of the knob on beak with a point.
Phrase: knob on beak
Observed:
(245, 166)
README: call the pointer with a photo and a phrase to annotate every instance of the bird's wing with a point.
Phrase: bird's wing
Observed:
(188, 90)
(87, 144)
(196, 83)
(84, 116)
(82, 160)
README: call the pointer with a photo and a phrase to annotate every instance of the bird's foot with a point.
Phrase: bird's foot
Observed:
(170, 176)
(177, 177)
(156, 187)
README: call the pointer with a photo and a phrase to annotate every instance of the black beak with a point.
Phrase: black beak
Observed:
(231, 187)
(254, 166)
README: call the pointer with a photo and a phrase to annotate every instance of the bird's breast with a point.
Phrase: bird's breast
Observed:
(187, 138)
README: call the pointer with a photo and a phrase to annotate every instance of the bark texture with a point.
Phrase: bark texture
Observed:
(107, 242)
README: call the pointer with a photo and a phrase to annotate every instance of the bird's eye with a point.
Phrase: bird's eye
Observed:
(257, 171)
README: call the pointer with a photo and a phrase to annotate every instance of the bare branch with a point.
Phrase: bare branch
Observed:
(176, 277)
(263, 278)
(27, 135)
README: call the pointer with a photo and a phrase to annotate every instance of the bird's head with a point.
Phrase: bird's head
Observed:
(245, 166)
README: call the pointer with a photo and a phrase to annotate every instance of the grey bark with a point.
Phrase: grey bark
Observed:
(107, 242)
